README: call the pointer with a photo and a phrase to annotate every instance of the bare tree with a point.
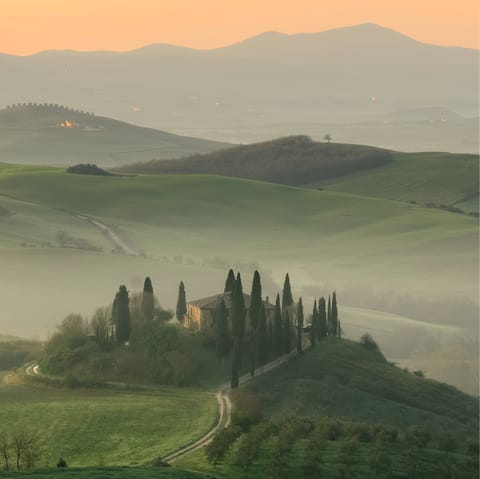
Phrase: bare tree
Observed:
(328, 138)
(5, 445)
(24, 445)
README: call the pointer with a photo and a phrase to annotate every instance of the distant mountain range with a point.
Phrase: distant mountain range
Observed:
(270, 85)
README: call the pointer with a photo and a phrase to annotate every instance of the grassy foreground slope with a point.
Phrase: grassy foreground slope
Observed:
(32, 134)
(107, 473)
(106, 427)
(344, 379)
(349, 382)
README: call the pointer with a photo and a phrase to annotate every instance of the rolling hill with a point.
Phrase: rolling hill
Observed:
(270, 85)
(194, 227)
(360, 391)
(432, 179)
(56, 135)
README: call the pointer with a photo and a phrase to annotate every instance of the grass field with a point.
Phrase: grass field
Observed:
(106, 427)
(343, 379)
(325, 240)
(438, 178)
(107, 473)
(332, 457)
(319, 234)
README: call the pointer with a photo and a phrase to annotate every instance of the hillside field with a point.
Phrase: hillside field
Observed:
(106, 427)
(194, 227)
(434, 179)
(346, 381)
(32, 134)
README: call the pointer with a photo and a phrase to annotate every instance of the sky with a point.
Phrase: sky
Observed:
(29, 26)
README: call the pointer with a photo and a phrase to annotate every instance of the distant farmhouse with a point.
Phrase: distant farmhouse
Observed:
(200, 313)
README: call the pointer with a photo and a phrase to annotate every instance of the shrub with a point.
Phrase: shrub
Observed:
(367, 341)
(87, 169)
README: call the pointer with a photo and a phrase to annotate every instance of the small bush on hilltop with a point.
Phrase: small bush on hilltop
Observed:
(87, 169)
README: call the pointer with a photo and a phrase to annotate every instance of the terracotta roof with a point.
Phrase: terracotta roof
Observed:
(211, 301)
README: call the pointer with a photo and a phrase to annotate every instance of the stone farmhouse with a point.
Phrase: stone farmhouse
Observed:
(200, 313)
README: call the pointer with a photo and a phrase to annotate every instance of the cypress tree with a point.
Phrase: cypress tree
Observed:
(329, 318)
(287, 299)
(238, 308)
(334, 315)
(339, 330)
(222, 338)
(254, 315)
(299, 325)
(230, 282)
(147, 306)
(262, 337)
(238, 328)
(181, 302)
(322, 318)
(287, 332)
(314, 325)
(277, 329)
(122, 315)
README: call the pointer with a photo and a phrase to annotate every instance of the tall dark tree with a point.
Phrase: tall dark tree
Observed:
(299, 325)
(287, 298)
(329, 318)
(262, 337)
(238, 308)
(238, 328)
(339, 330)
(277, 329)
(222, 336)
(314, 326)
(334, 315)
(322, 318)
(121, 315)
(254, 316)
(287, 332)
(230, 282)
(181, 310)
(147, 306)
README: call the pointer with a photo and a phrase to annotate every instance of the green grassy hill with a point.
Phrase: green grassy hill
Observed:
(107, 473)
(361, 391)
(344, 379)
(293, 160)
(33, 134)
(106, 427)
(434, 179)
(194, 227)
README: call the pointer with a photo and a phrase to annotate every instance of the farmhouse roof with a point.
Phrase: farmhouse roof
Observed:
(211, 301)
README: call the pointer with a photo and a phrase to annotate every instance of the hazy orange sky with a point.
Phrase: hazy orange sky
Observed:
(27, 26)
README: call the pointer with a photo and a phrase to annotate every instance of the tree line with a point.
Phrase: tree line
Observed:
(267, 340)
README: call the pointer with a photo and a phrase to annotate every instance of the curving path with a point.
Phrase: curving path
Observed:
(224, 415)
(110, 234)
(225, 405)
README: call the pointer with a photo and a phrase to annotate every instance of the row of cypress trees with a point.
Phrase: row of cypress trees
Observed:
(267, 339)
(325, 320)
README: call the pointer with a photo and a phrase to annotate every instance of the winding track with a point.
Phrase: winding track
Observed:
(110, 234)
(224, 415)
